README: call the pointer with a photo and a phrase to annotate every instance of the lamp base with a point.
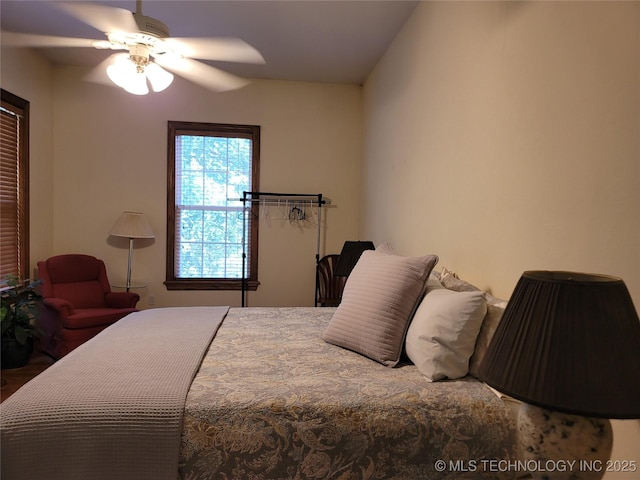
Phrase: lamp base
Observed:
(555, 445)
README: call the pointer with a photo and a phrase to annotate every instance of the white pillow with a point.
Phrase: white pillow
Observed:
(495, 309)
(443, 332)
(379, 299)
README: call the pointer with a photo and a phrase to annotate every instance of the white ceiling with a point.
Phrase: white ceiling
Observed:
(304, 40)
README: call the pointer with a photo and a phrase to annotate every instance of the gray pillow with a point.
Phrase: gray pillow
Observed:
(378, 301)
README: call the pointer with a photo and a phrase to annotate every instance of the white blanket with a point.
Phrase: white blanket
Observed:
(112, 408)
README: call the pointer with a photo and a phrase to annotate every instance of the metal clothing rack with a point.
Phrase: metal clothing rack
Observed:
(259, 197)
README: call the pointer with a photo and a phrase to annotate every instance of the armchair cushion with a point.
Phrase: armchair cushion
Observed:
(94, 317)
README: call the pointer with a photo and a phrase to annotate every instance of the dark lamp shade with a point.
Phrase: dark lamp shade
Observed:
(568, 342)
(350, 255)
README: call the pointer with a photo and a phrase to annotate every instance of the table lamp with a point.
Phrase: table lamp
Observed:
(568, 346)
(131, 225)
(349, 256)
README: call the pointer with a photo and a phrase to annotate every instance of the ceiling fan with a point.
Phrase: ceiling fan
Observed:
(149, 50)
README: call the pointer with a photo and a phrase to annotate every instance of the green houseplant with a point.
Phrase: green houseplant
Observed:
(19, 309)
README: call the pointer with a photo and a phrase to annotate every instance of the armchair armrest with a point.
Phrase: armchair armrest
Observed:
(60, 305)
(122, 299)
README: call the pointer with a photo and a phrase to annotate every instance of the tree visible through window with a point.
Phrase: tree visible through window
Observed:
(210, 165)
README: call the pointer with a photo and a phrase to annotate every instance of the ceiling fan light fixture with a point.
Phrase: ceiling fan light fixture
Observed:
(137, 84)
(124, 73)
(158, 77)
(132, 72)
(120, 70)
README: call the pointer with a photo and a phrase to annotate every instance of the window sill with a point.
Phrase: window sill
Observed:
(207, 284)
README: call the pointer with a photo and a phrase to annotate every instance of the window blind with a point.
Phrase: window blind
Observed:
(11, 197)
(209, 237)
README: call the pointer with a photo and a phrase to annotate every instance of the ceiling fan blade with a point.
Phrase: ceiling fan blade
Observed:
(228, 49)
(14, 39)
(209, 77)
(99, 74)
(103, 18)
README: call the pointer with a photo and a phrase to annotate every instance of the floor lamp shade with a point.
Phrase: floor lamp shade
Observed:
(132, 225)
(568, 342)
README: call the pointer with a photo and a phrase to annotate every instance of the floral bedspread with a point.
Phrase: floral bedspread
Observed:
(272, 400)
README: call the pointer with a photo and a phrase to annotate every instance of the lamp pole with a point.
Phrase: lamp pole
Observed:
(128, 286)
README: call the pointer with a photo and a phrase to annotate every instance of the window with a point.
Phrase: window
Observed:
(14, 186)
(208, 232)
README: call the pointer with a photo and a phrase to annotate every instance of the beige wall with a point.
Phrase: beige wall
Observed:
(506, 137)
(27, 75)
(110, 155)
(507, 134)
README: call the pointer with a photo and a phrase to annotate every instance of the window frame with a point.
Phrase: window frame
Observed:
(172, 282)
(21, 107)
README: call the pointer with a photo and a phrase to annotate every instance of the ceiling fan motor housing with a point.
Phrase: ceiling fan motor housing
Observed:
(151, 26)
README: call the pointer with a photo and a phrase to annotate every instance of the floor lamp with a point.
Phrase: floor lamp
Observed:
(568, 346)
(131, 225)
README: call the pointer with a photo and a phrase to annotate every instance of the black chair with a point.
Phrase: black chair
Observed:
(329, 287)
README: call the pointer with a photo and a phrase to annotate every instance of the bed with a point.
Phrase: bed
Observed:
(265, 395)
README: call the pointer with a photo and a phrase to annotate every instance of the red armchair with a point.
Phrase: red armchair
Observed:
(78, 302)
